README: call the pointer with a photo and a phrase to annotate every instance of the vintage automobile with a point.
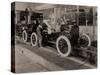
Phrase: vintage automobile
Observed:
(63, 43)
(61, 39)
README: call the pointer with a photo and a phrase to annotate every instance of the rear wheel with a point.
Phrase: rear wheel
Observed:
(34, 39)
(84, 40)
(63, 46)
(24, 36)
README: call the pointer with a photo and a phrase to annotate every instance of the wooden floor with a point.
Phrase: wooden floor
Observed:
(34, 59)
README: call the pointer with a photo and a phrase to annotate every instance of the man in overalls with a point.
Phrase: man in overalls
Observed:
(39, 34)
(42, 33)
(74, 33)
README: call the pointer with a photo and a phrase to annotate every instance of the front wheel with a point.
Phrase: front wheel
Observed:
(24, 36)
(63, 46)
(34, 39)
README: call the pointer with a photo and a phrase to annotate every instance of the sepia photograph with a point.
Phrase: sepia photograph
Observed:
(53, 37)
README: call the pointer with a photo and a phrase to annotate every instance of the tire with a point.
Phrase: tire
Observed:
(34, 42)
(65, 52)
(24, 36)
(86, 39)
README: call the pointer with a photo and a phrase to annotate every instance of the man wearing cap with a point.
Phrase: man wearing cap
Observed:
(74, 33)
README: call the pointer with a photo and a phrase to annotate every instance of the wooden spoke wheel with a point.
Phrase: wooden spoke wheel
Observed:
(84, 40)
(34, 39)
(24, 36)
(63, 46)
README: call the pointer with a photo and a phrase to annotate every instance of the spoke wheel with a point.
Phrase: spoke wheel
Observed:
(63, 46)
(34, 39)
(24, 36)
(84, 40)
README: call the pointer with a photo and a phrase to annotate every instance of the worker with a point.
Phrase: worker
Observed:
(74, 33)
(26, 16)
(39, 34)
